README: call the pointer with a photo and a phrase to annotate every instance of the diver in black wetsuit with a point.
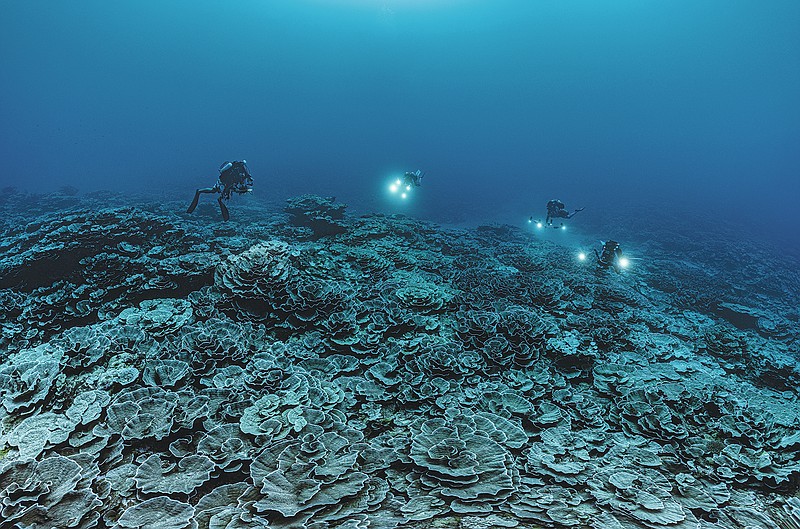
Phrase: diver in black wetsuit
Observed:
(610, 257)
(413, 179)
(234, 177)
(557, 210)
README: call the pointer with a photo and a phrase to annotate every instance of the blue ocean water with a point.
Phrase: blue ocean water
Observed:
(346, 352)
(680, 106)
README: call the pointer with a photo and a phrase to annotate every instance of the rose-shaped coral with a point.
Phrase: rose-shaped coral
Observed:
(460, 464)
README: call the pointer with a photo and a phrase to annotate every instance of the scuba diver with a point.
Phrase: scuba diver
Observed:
(234, 177)
(557, 210)
(610, 257)
(413, 179)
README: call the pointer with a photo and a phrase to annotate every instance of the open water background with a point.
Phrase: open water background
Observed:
(677, 109)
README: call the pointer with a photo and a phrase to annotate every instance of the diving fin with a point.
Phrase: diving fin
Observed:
(224, 209)
(194, 202)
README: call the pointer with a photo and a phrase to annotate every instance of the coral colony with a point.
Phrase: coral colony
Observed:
(320, 371)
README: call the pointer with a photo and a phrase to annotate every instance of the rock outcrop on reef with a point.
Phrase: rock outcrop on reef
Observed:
(159, 372)
(323, 216)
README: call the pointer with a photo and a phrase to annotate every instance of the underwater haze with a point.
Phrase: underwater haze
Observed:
(678, 106)
(332, 340)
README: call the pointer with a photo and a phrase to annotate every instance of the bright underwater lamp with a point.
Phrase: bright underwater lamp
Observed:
(394, 187)
(624, 262)
(400, 188)
(538, 224)
(581, 256)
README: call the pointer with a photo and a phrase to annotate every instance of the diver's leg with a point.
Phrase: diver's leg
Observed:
(194, 202)
(224, 209)
(197, 197)
(575, 213)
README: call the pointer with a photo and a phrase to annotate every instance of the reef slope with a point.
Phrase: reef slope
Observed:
(304, 369)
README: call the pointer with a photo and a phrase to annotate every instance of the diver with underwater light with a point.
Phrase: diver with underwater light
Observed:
(406, 183)
(555, 210)
(234, 177)
(610, 256)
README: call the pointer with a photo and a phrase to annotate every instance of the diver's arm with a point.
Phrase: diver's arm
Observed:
(246, 170)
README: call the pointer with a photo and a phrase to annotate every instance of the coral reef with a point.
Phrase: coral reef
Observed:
(162, 372)
(323, 216)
